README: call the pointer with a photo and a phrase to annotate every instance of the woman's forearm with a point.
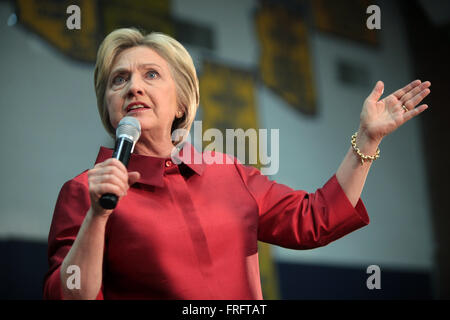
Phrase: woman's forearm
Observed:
(87, 254)
(351, 175)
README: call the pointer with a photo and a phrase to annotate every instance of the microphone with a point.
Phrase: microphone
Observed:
(127, 133)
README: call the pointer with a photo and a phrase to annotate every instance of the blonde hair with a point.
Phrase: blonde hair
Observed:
(180, 64)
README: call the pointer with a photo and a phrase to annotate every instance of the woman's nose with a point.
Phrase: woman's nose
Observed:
(135, 87)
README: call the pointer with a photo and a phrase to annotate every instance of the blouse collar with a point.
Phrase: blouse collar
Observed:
(152, 168)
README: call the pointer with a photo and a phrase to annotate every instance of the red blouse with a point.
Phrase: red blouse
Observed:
(190, 231)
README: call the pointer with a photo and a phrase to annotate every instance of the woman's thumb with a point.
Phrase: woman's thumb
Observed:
(377, 91)
(133, 177)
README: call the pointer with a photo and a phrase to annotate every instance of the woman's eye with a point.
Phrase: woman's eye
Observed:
(152, 74)
(118, 80)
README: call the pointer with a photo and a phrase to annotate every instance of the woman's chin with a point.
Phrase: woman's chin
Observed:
(145, 121)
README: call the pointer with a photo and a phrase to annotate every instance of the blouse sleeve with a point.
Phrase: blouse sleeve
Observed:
(71, 207)
(296, 219)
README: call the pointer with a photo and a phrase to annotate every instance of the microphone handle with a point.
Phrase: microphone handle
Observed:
(108, 201)
(122, 152)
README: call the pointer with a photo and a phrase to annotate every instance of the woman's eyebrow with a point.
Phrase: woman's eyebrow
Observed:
(141, 66)
(146, 65)
(119, 70)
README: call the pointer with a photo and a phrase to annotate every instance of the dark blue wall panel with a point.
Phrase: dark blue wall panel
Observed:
(23, 265)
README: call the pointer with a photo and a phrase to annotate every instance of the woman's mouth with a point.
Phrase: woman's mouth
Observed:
(137, 108)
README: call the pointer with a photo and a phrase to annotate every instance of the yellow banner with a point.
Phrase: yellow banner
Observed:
(285, 63)
(48, 19)
(345, 18)
(147, 15)
(97, 18)
(227, 97)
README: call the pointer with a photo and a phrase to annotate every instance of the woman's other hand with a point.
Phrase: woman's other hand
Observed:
(381, 117)
(110, 176)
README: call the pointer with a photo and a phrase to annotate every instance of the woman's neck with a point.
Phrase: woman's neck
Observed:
(155, 147)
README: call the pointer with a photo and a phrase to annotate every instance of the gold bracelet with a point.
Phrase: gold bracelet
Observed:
(362, 156)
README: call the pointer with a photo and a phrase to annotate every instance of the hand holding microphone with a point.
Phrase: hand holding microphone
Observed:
(110, 180)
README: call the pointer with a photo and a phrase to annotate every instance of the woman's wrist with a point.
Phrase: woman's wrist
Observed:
(365, 143)
(95, 217)
(364, 148)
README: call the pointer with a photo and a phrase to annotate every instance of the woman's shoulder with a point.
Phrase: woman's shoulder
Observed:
(80, 180)
(214, 157)
(224, 161)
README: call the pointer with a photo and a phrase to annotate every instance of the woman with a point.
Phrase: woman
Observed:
(190, 231)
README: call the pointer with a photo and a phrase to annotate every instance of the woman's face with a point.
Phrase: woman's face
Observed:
(141, 79)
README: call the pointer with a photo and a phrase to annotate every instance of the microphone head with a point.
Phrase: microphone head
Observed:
(129, 126)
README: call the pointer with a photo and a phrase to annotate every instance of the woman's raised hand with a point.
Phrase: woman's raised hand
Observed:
(380, 117)
(109, 176)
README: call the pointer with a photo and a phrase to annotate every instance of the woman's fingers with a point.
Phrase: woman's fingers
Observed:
(401, 92)
(113, 180)
(417, 90)
(114, 163)
(109, 176)
(110, 170)
(133, 177)
(415, 100)
(414, 112)
(376, 92)
(111, 166)
(104, 188)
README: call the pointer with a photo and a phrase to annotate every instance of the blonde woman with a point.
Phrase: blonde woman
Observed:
(190, 230)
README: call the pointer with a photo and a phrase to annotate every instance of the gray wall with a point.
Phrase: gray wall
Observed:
(51, 132)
